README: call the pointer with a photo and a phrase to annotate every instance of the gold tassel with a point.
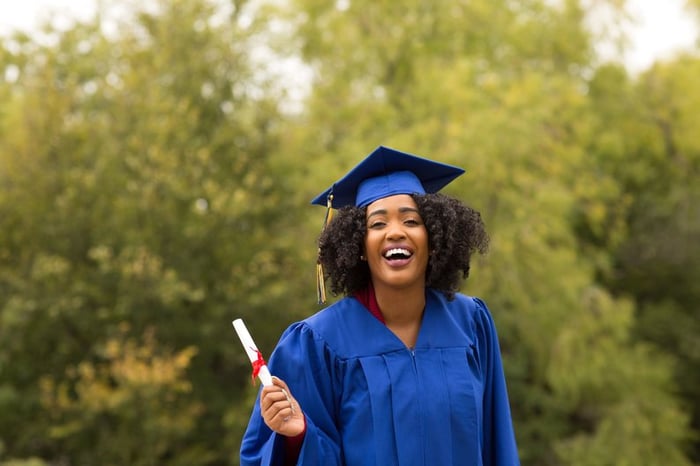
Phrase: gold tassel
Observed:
(320, 284)
(320, 278)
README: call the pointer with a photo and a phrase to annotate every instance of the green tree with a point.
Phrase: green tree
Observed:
(646, 146)
(138, 184)
(502, 89)
(154, 184)
(132, 406)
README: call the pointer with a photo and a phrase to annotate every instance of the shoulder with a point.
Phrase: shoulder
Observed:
(326, 318)
(462, 305)
(332, 313)
(469, 312)
(331, 322)
(339, 328)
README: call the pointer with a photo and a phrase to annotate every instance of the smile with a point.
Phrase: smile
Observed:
(397, 254)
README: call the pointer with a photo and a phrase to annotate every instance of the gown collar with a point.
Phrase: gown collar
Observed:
(445, 324)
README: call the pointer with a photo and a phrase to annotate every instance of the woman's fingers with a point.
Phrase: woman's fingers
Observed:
(280, 410)
(277, 403)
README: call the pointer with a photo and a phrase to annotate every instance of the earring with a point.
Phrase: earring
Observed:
(362, 257)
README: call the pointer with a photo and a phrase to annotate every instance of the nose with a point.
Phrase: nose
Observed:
(395, 231)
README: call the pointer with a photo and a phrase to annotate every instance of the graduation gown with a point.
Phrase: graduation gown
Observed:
(370, 400)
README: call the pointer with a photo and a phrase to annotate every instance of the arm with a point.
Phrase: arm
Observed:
(499, 438)
(307, 366)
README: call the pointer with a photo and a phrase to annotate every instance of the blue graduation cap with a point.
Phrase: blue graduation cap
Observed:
(387, 172)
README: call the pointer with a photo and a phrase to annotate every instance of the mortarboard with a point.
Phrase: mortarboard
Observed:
(384, 172)
(387, 172)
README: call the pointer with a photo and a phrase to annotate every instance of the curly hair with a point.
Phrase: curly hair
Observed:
(455, 232)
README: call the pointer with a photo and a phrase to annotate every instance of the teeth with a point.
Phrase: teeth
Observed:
(397, 251)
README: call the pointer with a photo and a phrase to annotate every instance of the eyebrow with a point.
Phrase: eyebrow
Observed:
(402, 210)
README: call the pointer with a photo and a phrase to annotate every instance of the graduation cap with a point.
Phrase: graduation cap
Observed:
(387, 172)
(384, 172)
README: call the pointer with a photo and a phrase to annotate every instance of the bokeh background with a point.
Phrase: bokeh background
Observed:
(157, 159)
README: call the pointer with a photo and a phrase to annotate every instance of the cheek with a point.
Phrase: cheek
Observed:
(426, 247)
(370, 241)
(424, 239)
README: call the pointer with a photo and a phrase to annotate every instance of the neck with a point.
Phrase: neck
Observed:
(401, 307)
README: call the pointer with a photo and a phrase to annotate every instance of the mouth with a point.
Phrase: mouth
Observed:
(398, 256)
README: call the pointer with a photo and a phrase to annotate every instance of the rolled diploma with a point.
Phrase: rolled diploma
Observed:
(251, 350)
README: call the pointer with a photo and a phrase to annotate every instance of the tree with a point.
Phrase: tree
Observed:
(646, 148)
(151, 191)
(502, 89)
(139, 186)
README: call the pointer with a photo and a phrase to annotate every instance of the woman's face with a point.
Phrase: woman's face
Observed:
(396, 244)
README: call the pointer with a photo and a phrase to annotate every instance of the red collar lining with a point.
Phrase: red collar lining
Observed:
(369, 300)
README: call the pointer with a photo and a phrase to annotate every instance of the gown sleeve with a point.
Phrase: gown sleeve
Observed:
(306, 364)
(498, 435)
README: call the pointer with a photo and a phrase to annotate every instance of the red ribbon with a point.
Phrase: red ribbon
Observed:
(257, 364)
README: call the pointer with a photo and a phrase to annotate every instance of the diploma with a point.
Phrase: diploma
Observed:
(259, 366)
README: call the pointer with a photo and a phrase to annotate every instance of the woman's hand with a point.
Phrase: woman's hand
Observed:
(280, 410)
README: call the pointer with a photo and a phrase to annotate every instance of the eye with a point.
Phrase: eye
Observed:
(412, 222)
(376, 224)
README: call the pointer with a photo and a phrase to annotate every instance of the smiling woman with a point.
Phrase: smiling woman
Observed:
(383, 174)
(404, 369)
(396, 251)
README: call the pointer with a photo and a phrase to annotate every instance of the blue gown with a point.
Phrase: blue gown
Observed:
(370, 400)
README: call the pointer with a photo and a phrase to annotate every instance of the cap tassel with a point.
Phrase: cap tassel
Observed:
(320, 278)
(320, 284)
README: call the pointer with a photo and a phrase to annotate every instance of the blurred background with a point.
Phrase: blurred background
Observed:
(157, 159)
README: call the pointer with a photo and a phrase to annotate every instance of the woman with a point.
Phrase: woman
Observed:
(404, 370)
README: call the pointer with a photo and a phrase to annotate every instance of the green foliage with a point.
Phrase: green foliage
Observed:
(27, 462)
(133, 404)
(138, 186)
(648, 146)
(154, 185)
(471, 83)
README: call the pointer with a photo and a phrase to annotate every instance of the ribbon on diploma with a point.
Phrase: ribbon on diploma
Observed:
(255, 357)
(257, 364)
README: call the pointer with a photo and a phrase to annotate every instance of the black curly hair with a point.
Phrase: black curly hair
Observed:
(455, 232)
